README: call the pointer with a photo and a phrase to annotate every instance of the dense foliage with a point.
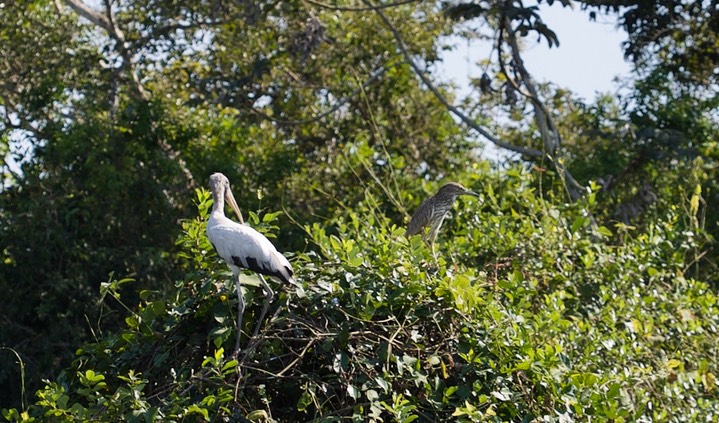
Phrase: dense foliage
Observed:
(581, 285)
(518, 318)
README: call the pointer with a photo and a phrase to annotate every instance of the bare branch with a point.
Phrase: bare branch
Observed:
(58, 6)
(545, 123)
(574, 188)
(542, 117)
(503, 68)
(358, 9)
(91, 15)
(108, 24)
(174, 26)
(464, 118)
(341, 102)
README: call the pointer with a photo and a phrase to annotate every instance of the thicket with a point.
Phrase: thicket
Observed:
(527, 312)
(580, 285)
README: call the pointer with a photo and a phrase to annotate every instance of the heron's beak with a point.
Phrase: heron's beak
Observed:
(231, 201)
(468, 192)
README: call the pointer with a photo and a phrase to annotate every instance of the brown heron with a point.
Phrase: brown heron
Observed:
(433, 210)
(243, 248)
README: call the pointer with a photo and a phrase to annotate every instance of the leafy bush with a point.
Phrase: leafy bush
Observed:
(528, 311)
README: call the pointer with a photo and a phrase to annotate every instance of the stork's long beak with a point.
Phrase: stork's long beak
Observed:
(231, 201)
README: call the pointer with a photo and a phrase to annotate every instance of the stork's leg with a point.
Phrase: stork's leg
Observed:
(240, 310)
(269, 295)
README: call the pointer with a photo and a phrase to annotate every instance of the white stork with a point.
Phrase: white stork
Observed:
(243, 248)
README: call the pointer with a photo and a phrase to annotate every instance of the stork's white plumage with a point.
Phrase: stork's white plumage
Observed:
(242, 247)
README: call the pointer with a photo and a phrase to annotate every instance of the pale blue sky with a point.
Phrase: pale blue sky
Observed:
(587, 60)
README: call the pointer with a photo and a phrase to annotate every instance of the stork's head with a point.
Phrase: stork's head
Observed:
(454, 189)
(220, 187)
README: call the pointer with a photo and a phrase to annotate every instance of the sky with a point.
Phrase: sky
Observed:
(587, 60)
(589, 57)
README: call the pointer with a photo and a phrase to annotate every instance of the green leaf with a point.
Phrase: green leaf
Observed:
(92, 377)
(270, 217)
(579, 223)
(382, 384)
(11, 414)
(219, 353)
(605, 231)
(500, 395)
(524, 365)
(355, 261)
(230, 365)
(145, 294)
(305, 401)
(259, 416)
(157, 308)
(353, 392)
(450, 391)
(195, 409)
(133, 321)
(336, 243)
(673, 363)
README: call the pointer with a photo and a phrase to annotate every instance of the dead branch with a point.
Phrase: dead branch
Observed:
(341, 102)
(545, 123)
(358, 9)
(574, 189)
(107, 23)
(531, 152)
(543, 119)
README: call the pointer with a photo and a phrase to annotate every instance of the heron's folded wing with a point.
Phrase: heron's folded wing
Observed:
(420, 219)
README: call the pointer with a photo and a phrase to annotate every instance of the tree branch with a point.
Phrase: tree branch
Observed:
(107, 23)
(341, 102)
(573, 187)
(454, 110)
(503, 68)
(58, 6)
(174, 26)
(358, 9)
(545, 123)
(543, 119)
(91, 15)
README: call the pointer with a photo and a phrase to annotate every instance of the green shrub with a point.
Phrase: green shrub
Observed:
(528, 311)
